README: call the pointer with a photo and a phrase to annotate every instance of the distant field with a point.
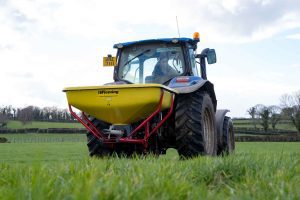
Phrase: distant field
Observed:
(42, 138)
(63, 170)
(249, 124)
(42, 125)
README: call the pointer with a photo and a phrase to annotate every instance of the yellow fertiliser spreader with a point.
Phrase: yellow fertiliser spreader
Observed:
(160, 99)
(120, 104)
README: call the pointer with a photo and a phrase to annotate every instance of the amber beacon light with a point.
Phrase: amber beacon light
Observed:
(196, 36)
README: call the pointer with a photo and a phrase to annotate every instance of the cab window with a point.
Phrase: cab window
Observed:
(193, 62)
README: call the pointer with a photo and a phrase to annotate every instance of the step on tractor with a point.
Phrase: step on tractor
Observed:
(160, 99)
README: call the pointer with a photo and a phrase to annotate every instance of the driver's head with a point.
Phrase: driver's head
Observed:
(163, 58)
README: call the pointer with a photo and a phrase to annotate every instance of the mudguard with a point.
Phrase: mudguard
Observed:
(220, 116)
(189, 84)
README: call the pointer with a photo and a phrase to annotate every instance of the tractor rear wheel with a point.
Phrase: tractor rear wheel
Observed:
(95, 146)
(195, 125)
(228, 144)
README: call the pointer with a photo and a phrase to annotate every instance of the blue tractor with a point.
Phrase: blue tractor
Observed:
(183, 113)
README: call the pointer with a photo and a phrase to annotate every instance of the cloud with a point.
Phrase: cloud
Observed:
(241, 21)
(46, 45)
(92, 19)
(296, 66)
(294, 36)
(229, 21)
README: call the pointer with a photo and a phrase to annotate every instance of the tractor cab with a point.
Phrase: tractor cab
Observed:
(157, 60)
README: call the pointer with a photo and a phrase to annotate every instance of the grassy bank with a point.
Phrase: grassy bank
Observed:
(13, 124)
(64, 171)
(44, 138)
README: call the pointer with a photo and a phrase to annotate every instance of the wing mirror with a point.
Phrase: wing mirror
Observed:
(210, 54)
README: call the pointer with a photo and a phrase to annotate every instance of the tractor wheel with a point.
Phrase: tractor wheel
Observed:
(228, 145)
(95, 146)
(195, 125)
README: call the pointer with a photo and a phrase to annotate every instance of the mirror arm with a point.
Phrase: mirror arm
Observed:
(203, 67)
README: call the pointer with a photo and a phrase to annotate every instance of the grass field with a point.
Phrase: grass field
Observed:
(13, 124)
(63, 170)
(43, 138)
(249, 124)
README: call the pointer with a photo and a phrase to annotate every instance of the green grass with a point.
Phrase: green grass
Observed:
(42, 152)
(43, 137)
(13, 124)
(42, 125)
(64, 171)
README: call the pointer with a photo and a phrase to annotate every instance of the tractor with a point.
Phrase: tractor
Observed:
(160, 99)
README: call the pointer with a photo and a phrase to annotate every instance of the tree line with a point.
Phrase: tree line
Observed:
(288, 110)
(34, 113)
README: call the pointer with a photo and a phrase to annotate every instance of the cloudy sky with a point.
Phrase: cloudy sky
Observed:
(46, 45)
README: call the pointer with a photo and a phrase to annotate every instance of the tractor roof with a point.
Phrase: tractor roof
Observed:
(160, 40)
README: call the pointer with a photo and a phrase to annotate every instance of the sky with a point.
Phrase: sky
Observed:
(46, 45)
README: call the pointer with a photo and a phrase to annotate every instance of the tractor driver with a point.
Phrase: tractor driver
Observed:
(163, 71)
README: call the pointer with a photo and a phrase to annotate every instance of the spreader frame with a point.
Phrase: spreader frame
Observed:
(86, 122)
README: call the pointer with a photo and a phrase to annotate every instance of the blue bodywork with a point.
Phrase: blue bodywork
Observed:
(192, 80)
(167, 40)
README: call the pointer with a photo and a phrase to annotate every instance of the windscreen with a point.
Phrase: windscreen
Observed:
(151, 63)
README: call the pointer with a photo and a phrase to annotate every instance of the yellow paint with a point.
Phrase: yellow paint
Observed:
(119, 104)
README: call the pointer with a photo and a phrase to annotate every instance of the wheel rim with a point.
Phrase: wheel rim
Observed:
(208, 131)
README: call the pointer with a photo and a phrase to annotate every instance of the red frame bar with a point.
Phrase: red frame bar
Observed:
(145, 124)
(94, 130)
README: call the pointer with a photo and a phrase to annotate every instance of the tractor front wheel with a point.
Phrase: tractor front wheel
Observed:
(195, 125)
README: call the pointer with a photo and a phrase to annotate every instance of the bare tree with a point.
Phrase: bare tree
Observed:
(264, 116)
(291, 108)
(14, 111)
(26, 114)
(253, 112)
(274, 115)
(47, 113)
(3, 120)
